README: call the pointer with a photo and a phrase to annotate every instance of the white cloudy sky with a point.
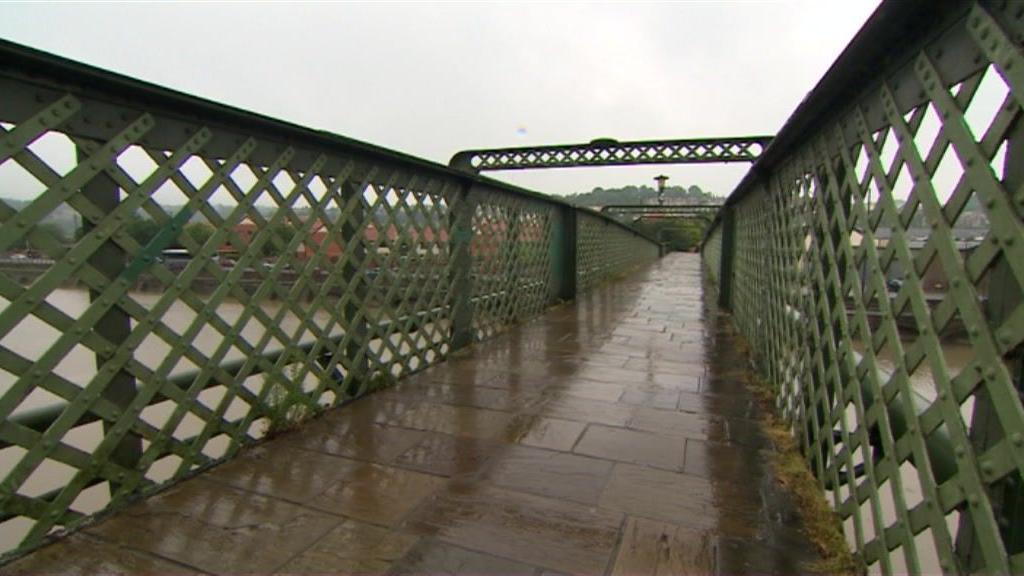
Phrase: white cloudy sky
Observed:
(432, 79)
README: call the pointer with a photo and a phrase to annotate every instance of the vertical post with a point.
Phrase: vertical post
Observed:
(563, 254)
(726, 257)
(355, 271)
(1004, 296)
(460, 225)
(514, 240)
(661, 179)
(110, 260)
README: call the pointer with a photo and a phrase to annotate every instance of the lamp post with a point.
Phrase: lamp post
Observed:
(661, 179)
(661, 188)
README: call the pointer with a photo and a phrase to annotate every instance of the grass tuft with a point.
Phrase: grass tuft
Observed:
(286, 407)
(821, 524)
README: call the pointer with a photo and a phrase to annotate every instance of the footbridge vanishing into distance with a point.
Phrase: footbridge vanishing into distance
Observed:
(369, 362)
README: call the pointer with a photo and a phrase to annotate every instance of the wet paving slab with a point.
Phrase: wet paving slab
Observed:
(612, 435)
(540, 531)
(216, 528)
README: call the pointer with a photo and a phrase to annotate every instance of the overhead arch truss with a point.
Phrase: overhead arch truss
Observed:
(608, 152)
(654, 212)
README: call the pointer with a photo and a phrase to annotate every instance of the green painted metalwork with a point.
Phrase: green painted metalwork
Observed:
(605, 251)
(563, 254)
(609, 152)
(711, 253)
(317, 268)
(893, 345)
(705, 212)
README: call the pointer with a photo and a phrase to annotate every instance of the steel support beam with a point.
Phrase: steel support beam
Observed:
(115, 325)
(608, 152)
(706, 211)
(727, 258)
(563, 256)
(460, 224)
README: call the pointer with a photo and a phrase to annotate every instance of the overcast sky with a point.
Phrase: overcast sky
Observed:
(432, 79)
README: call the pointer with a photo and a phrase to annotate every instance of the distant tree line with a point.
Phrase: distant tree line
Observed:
(642, 195)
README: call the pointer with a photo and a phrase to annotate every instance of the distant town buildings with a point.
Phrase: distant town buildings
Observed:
(934, 278)
(326, 237)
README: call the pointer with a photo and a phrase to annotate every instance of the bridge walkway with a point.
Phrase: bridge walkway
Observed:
(611, 435)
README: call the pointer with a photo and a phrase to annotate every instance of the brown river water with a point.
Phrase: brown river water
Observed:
(957, 355)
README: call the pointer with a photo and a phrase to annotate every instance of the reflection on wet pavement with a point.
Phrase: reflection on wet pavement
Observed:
(613, 435)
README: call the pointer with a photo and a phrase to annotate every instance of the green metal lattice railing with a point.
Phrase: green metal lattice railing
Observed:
(315, 269)
(894, 343)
